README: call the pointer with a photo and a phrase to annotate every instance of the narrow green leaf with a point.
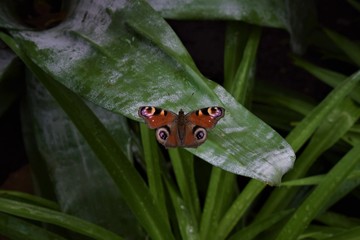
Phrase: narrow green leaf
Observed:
(313, 180)
(236, 37)
(351, 234)
(239, 82)
(300, 134)
(244, 77)
(15, 228)
(153, 167)
(28, 198)
(238, 208)
(212, 207)
(313, 204)
(187, 222)
(329, 77)
(183, 164)
(319, 232)
(334, 219)
(351, 49)
(60, 219)
(251, 231)
(332, 128)
(276, 96)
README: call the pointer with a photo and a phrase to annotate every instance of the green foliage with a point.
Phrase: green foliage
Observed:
(84, 81)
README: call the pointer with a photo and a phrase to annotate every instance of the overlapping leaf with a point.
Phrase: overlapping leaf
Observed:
(121, 55)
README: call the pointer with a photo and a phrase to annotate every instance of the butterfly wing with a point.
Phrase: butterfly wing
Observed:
(165, 123)
(157, 117)
(181, 130)
(206, 117)
(197, 122)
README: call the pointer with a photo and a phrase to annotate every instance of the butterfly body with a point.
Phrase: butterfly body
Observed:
(181, 130)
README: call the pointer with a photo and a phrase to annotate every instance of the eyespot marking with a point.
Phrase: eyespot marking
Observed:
(215, 111)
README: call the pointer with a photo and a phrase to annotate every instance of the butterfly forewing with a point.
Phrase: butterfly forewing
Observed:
(156, 117)
(206, 117)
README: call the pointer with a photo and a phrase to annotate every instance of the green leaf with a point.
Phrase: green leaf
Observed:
(28, 198)
(152, 158)
(50, 216)
(185, 216)
(316, 200)
(350, 48)
(332, 128)
(132, 58)
(334, 219)
(69, 159)
(237, 210)
(251, 231)
(243, 79)
(296, 16)
(15, 228)
(261, 12)
(300, 134)
(327, 76)
(183, 165)
(301, 22)
(127, 179)
(350, 234)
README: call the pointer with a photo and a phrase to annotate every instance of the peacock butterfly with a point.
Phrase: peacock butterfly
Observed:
(180, 130)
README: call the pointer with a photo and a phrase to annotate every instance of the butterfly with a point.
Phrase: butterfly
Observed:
(180, 130)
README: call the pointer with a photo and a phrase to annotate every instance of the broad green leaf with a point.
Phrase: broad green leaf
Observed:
(262, 12)
(298, 17)
(132, 58)
(300, 22)
(127, 179)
